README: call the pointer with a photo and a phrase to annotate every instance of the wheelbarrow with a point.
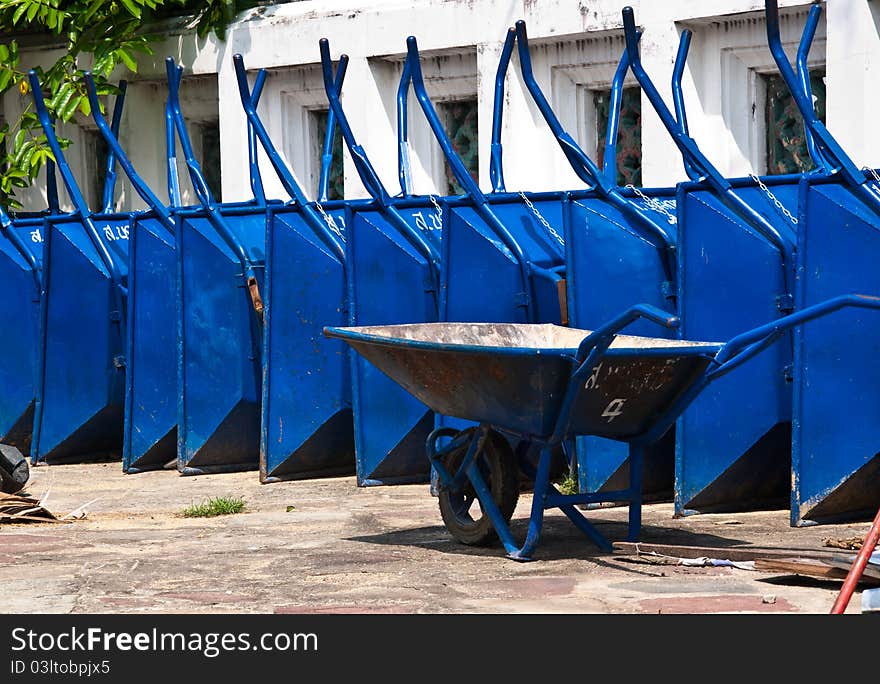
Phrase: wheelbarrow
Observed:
(619, 249)
(79, 400)
(544, 384)
(736, 254)
(392, 257)
(221, 262)
(834, 467)
(150, 426)
(21, 256)
(306, 424)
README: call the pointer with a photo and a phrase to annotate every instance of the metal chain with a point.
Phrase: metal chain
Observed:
(773, 200)
(437, 207)
(654, 204)
(331, 223)
(550, 229)
(876, 177)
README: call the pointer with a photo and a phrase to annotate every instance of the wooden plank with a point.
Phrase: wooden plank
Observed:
(800, 566)
(733, 553)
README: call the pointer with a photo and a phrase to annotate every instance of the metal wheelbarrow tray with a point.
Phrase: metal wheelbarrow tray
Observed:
(545, 384)
(21, 255)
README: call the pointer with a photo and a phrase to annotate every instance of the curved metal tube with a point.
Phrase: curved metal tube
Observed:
(73, 190)
(684, 46)
(253, 158)
(689, 149)
(829, 148)
(200, 186)
(137, 182)
(6, 224)
(803, 54)
(582, 165)
(403, 165)
(287, 179)
(496, 165)
(365, 169)
(110, 173)
(329, 134)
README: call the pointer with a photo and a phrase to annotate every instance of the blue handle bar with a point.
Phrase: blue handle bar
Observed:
(286, 177)
(203, 192)
(253, 157)
(829, 148)
(110, 172)
(684, 46)
(73, 190)
(171, 175)
(329, 135)
(365, 169)
(496, 165)
(137, 182)
(803, 54)
(689, 149)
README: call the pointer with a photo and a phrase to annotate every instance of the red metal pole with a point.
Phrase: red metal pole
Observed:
(858, 567)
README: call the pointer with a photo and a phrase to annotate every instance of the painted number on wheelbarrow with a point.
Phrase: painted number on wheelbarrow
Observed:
(36, 235)
(117, 233)
(593, 380)
(614, 409)
(422, 224)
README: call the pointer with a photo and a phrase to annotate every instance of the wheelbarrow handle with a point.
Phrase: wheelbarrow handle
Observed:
(496, 164)
(137, 182)
(604, 335)
(330, 135)
(110, 168)
(803, 70)
(171, 175)
(580, 162)
(70, 183)
(684, 46)
(609, 165)
(746, 345)
(829, 148)
(688, 147)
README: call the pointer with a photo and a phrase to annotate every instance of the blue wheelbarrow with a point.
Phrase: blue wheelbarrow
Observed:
(78, 408)
(306, 419)
(544, 384)
(21, 263)
(150, 432)
(619, 249)
(392, 257)
(736, 256)
(834, 467)
(220, 267)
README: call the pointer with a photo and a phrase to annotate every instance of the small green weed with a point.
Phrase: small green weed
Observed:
(219, 505)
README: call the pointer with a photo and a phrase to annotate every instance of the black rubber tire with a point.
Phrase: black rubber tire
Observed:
(14, 470)
(498, 467)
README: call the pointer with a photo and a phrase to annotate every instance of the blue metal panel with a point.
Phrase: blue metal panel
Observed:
(733, 444)
(20, 305)
(79, 396)
(307, 428)
(836, 432)
(151, 378)
(613, 264)
(220, 343)
(389, 281)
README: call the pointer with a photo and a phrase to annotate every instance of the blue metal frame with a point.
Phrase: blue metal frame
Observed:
(592, 351)
(834, 467)
(306, 419)
(736, 267)
(79, 390)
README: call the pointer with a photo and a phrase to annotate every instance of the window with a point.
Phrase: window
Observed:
(786, 142)
(460, 120)
(629, 136)
(336, 185)
(210, 157)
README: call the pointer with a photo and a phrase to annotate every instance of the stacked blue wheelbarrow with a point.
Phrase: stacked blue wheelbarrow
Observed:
(78, 406)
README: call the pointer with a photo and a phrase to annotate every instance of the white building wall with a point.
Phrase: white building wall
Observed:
(576, 45)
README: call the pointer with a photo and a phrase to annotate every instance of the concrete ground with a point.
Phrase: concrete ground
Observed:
(343, 549)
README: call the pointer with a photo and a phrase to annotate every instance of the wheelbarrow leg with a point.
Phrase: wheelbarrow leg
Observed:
(536, 518)
(487, 503)
(636, 459)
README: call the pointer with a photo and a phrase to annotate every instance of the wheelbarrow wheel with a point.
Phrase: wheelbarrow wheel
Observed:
(461, 510)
